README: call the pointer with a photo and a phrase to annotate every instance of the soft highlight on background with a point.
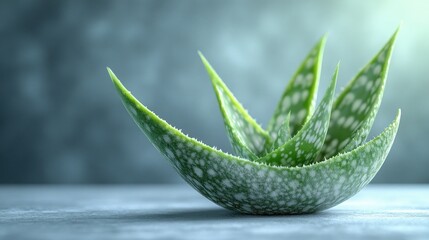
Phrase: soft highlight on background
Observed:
(62, 121)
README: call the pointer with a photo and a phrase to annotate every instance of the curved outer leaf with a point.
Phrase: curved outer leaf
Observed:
(304, 147)
(299, 97)
(246, 136)
(357, 105)
(249, 187)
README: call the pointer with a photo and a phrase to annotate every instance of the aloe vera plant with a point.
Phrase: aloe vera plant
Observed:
(308, 159)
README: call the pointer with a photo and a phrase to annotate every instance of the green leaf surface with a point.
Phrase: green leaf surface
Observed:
(245, 134)
(300, 95)
(250, 187)
(304, 147)
(283, 135)
(280, 171)
(356, 107)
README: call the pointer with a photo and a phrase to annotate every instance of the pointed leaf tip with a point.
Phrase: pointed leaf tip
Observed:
(111, 74)
(356, 107)
(245, 134)
(304, 147)
(115, 80)
(299, 96)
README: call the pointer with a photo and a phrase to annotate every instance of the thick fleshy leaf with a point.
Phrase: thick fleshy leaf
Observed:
(256, 188)
(299, 97)
(304, 147)
(283, 135)
(245, 134)
(358, 104)
(360, 135)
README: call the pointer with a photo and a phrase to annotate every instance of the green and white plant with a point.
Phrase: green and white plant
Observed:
(308, 159)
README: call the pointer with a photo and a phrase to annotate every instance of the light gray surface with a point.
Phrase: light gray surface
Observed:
(178, 212)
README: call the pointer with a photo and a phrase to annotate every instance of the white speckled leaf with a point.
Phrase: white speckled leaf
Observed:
(356, 107)
(360, 135)
(246, 136)
(251, 187)
(283, 135)
(299, 97)
(304, 147)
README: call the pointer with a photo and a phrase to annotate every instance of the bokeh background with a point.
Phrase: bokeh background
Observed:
(62, 121)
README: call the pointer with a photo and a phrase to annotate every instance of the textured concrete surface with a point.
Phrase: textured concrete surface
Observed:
(178, 212)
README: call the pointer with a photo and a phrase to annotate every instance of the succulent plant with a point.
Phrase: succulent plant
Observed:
(308, 159)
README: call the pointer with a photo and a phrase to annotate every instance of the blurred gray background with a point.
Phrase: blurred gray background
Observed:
(62, 121)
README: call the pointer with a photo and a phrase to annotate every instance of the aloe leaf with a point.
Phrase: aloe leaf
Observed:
(360, 135)
(357, 105)
(250, 187)
(304, 147)
(299, 97)
(245, 134)
(283, 135)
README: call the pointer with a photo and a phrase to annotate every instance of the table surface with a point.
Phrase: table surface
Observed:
(178, 212)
